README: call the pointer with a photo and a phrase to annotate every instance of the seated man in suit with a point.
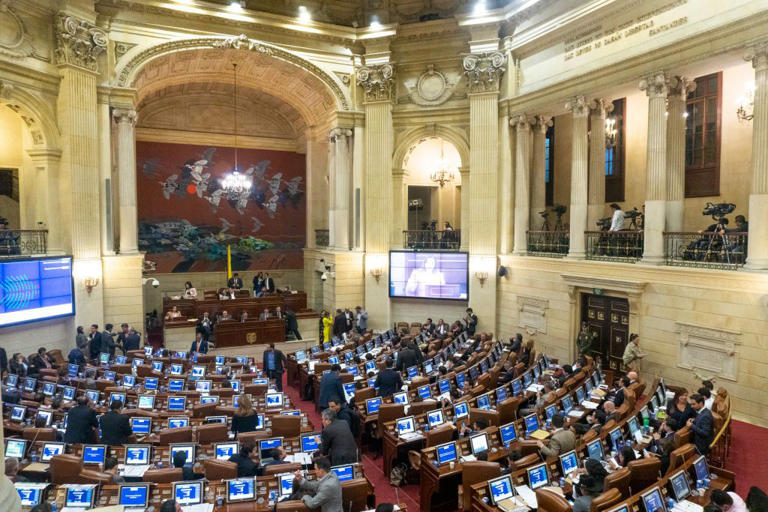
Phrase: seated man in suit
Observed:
(187, 470)
(246, 467)
(562, 440)
(235, 283)
(325, 490)
(265, 315)
(200, 345)
(42, 360)
(703, 425)
(115, 427)
(225, 316)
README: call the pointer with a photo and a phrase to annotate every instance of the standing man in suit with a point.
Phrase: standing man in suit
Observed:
(107, 340)
(338, 443)
(703, 425)
(81, 420)
(632, 353)
(235, 282)
(339, 324)
(115, 427)
(269, 283)
(205, 324)
(273, 364)
(407, 356)
(291, 324)
(330, 386)
(562, 440)
(471, 321)
(325, 489)
(95, 345)
(388, 380)
(361, 320)
(200, 345)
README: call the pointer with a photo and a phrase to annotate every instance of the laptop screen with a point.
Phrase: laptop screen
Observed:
(435, 418)
(569, 462)
(15, 448)
(652, 501)
(286, 484)
(178, 422)
(30, 494)
(188, 493)
(94, 453)
(405, 425)
(310, 443)
(189, 449)
(479, 443)
(51, 449)
(400, 398)
(141, 425)
(500, 488)
(134, 495)
(538, 476)
(446, 453)
(680, 486)
(372, 405)
(225, 450)
(137, 455)
(344, 473)
(80, 496)
(508, 433)
(241, 489)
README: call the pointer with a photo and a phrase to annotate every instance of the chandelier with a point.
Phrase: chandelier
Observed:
(610, 132)
(746, 110)
(443, 174)
(233, 182)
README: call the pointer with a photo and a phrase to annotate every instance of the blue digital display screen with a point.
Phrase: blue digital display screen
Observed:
(531, 424)
(567, 403)
(517, 387)
(615, 436)
(79, 497)
(508, 433)
(178, 422)
(35, 289)
(484, 402)
(595, 450)
(460, 380)
(550, 411)
(30, 496)
(444, 385)
(141, 425)
(150, 383)
(501, 394)
(188, 493)
(501, 489)
(680, 486)
(225, 450)
(94, 454)
(134, 495)
(176, 403)
(310, 443)
(538, 476)
(175, 384)
(527, 379)
(51, 449)
(652, 501)
(241, 489)
(137, 455)
(700, 466)
(460, 410)
(435, 418)
(446, 453)
(400, 398)
(372, 405)
(424, 392)
(344, 472)
(268, 444)
(579, 395)
(412, 371)
(569, 462)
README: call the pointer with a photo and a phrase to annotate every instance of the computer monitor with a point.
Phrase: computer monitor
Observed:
(424, 392)
(344, 473)
(30, 384)
(446, 452)
(94, 453)
(701, 468)
(538, 476)
(286, 484)
(269, 444)
(47, 415)
(223, 451)
(188, 493)
(531, 424)
(508, 434)
(444, 385)
(654, 404)
(117, 396)
(412, 372)
(137, 454)
(49, 388)
(333, 360)
(259, 422)
(623, 508)
(372, 405)
(595, 450)
(15, 448)
(435, 418)
(301, 356)
(484, 401)
(260, 381)
(80, 496)
(569, 462)
(134, 495)
(517, 387)
(30, 494)
(187, 448)
(129, 381)
(615, 436)
(644, 413)
(596, 378)
(203, 386)
(428, 367)
(527, 379)
(241, 489)
(12, 380)
(50, 449)
(679, 485)
(146, 402)
(567, 403)
(93, 395)
(209, 399)
(274, 399)
(18, 412)
(461, 378)
(550, 411)
(370, 366)
(178, 422)
(68, 393)
(141, 425)
(177, 369)
(406, 425)
(479, 443)
(500, 489)
(501, 394)
(215, 419)
(235, 385)
(198, 372)
(177, 403)
(310, 443)
(175, 385)
(460, 410)
(109, 375)
(633, 426)
(653, 501)
(353, 370)
(400, 398)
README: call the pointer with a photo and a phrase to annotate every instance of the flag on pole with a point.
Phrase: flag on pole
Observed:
(229, 262)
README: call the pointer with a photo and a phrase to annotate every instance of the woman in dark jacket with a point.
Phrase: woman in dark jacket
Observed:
(679, 409)
(245, 418)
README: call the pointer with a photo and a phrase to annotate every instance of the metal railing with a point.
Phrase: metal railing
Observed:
(23, 242)
(448, 240)
(624, 246)
(706, 250)
(553, 244)
(322, 237)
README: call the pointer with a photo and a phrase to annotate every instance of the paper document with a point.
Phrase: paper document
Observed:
(528, 496)
(589, 404)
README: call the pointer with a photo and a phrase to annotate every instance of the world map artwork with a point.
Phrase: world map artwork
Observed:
(187, 220)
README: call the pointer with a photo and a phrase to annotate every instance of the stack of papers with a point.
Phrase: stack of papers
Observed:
(589, 404)
(539, 434)
(136, 471)
(468, 458)
(411, 436)
(528, 496)
(534, 388)
(299, 458)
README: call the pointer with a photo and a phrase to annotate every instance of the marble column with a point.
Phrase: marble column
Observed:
(46, 162)
(464, 197)
(126, 173)
(579, 176)
(522, 125)
(358, 187)
(656, 86)
(539, 171)
(506, 199)
(596, 200)
(341, 176)
(399, 207)
(679, 87)
(757, 256)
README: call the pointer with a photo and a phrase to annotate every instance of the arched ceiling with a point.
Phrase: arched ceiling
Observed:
(305, 93)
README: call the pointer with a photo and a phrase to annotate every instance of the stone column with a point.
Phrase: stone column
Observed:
(126, 169)
(596, 201)
(506, 199)
(655, 85)
(79, 45)
(538, 174)
(757, 256)
(358, 188)
(378, 88)
(522, 125)
(465, 232)
(579, 177)
(341, 176)
(679, 87)
(46, 162)
(399, 207)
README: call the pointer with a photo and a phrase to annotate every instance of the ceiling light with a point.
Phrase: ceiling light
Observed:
(480, 8)
(237, 5)
(304, 15)
(375, 24)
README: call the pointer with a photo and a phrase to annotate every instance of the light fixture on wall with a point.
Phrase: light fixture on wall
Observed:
(482, 277)
(746, 110)
(377, 272)
(611, 133)
(444, 173)
(235, 183)
(304, 15)
(90, 283)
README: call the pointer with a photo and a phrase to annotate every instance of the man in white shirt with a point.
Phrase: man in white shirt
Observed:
(728, 501)
(617, 219)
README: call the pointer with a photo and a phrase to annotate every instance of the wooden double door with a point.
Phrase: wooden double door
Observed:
(608, 318)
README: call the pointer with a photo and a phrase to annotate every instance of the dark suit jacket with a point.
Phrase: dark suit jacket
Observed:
(703, 428)
(130, 341)
(339, 443)
(235, 282)
(339, 325)
(405, 358)
(115, 428)
(81, 420)
(38, 362)
(19, 369)
(203, 347)
(330, 386)
(245, 466)
(279, 360)
(95, 346)
(244, 423)
(269, 284)
(619, 398)
(388, 381)
(3, 361)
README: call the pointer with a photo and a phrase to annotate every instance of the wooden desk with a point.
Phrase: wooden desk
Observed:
(237, 334)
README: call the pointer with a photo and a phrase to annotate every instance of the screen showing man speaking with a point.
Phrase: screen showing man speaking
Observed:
(429, 275)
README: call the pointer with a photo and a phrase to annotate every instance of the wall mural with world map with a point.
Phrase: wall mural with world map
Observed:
(187, 220)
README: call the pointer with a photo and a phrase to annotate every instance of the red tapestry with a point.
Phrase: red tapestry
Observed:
(187, 218)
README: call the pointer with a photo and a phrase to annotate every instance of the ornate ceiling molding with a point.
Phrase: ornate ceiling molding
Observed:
(78, 43)
(377, 82)
(16, 42)
(484, 71)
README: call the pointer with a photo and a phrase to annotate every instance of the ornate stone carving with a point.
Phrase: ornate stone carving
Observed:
(484, 71)
(532, 313)
(578, 106)
(122, 48)
(600, 107)
(758, 55)
(15, 40)
(6, 90)
(125, 115)
(709, 349)
(522, 121)
(337, 133)
(377, 82)
(431, 88)
(78, 43)
(542, 123)
(242, 42)
(680, 86)
(655, 84)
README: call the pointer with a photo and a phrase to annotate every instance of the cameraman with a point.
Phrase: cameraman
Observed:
(617, 219)
(742, 226)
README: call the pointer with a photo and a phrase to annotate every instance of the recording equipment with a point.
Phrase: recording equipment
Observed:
(604, 224)
(633, 215)
(718, 210)
(559, 209)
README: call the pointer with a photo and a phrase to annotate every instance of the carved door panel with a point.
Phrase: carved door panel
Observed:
(608, 318)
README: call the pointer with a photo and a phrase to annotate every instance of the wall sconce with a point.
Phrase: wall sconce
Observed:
(610, 132)
(746, 110)
(91, 283)
(377, 272)
(481, 276)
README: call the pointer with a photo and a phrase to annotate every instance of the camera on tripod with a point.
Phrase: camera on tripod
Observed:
(604, 223)
(544, 214)
(718, 210)
(559, 209)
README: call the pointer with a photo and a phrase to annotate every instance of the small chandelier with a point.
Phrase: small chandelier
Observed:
(443, 175)
(611, 133)
(235, 183)
(746, 110)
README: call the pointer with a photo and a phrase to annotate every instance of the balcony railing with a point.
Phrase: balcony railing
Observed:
(553, 244)
(624, 246)
(706, 250)
(428, 239)
(322, 237)
(23, 242)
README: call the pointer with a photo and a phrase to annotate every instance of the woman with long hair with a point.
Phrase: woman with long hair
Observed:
(245, 417)
(190, 292)
(679, 408)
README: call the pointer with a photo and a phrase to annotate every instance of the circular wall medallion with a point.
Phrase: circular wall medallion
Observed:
(11, 30)
(431, 85)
